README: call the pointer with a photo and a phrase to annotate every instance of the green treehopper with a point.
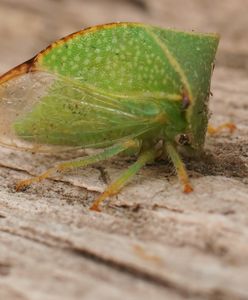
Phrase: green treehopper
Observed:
(118, 87)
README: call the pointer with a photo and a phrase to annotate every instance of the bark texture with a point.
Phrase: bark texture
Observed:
(152, 241)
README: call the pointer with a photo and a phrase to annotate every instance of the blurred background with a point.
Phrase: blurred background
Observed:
(28, 26)
(153, 243)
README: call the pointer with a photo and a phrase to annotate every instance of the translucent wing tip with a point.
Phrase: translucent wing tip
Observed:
(20, 90)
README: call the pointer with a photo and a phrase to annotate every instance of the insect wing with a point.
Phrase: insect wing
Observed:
(43, 108)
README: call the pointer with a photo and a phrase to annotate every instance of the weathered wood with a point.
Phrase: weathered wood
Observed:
(152, 242)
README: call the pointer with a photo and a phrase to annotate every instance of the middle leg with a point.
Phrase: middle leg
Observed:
(116, 186)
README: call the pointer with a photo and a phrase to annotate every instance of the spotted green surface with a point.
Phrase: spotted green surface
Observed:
(123, 58)
(121, 81)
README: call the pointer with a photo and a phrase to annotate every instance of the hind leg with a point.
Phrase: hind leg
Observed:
(82, 162)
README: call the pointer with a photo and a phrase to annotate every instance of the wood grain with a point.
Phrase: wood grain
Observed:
(152, 241)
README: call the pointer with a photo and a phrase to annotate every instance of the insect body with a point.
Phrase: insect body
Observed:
(117, 87)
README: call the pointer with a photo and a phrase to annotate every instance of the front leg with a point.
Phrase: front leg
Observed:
(180, 167)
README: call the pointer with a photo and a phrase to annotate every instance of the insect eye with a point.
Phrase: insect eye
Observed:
(185, 100)
(183, 139)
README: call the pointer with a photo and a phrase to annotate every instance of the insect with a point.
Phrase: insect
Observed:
(116, 87)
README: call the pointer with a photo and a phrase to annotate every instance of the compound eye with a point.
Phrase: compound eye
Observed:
(183, 139)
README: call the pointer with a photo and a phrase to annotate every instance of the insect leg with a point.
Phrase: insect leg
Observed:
(215, 130)
(82, 162)
(180, 167)
(116, 186)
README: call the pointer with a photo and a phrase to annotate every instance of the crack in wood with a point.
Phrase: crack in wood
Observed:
(110, 263)
(122, 267)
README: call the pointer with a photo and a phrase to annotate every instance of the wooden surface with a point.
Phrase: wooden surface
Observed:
(152, 242)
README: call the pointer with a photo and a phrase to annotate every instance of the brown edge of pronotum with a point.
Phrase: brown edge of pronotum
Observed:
(30, 65)
(23, 68)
